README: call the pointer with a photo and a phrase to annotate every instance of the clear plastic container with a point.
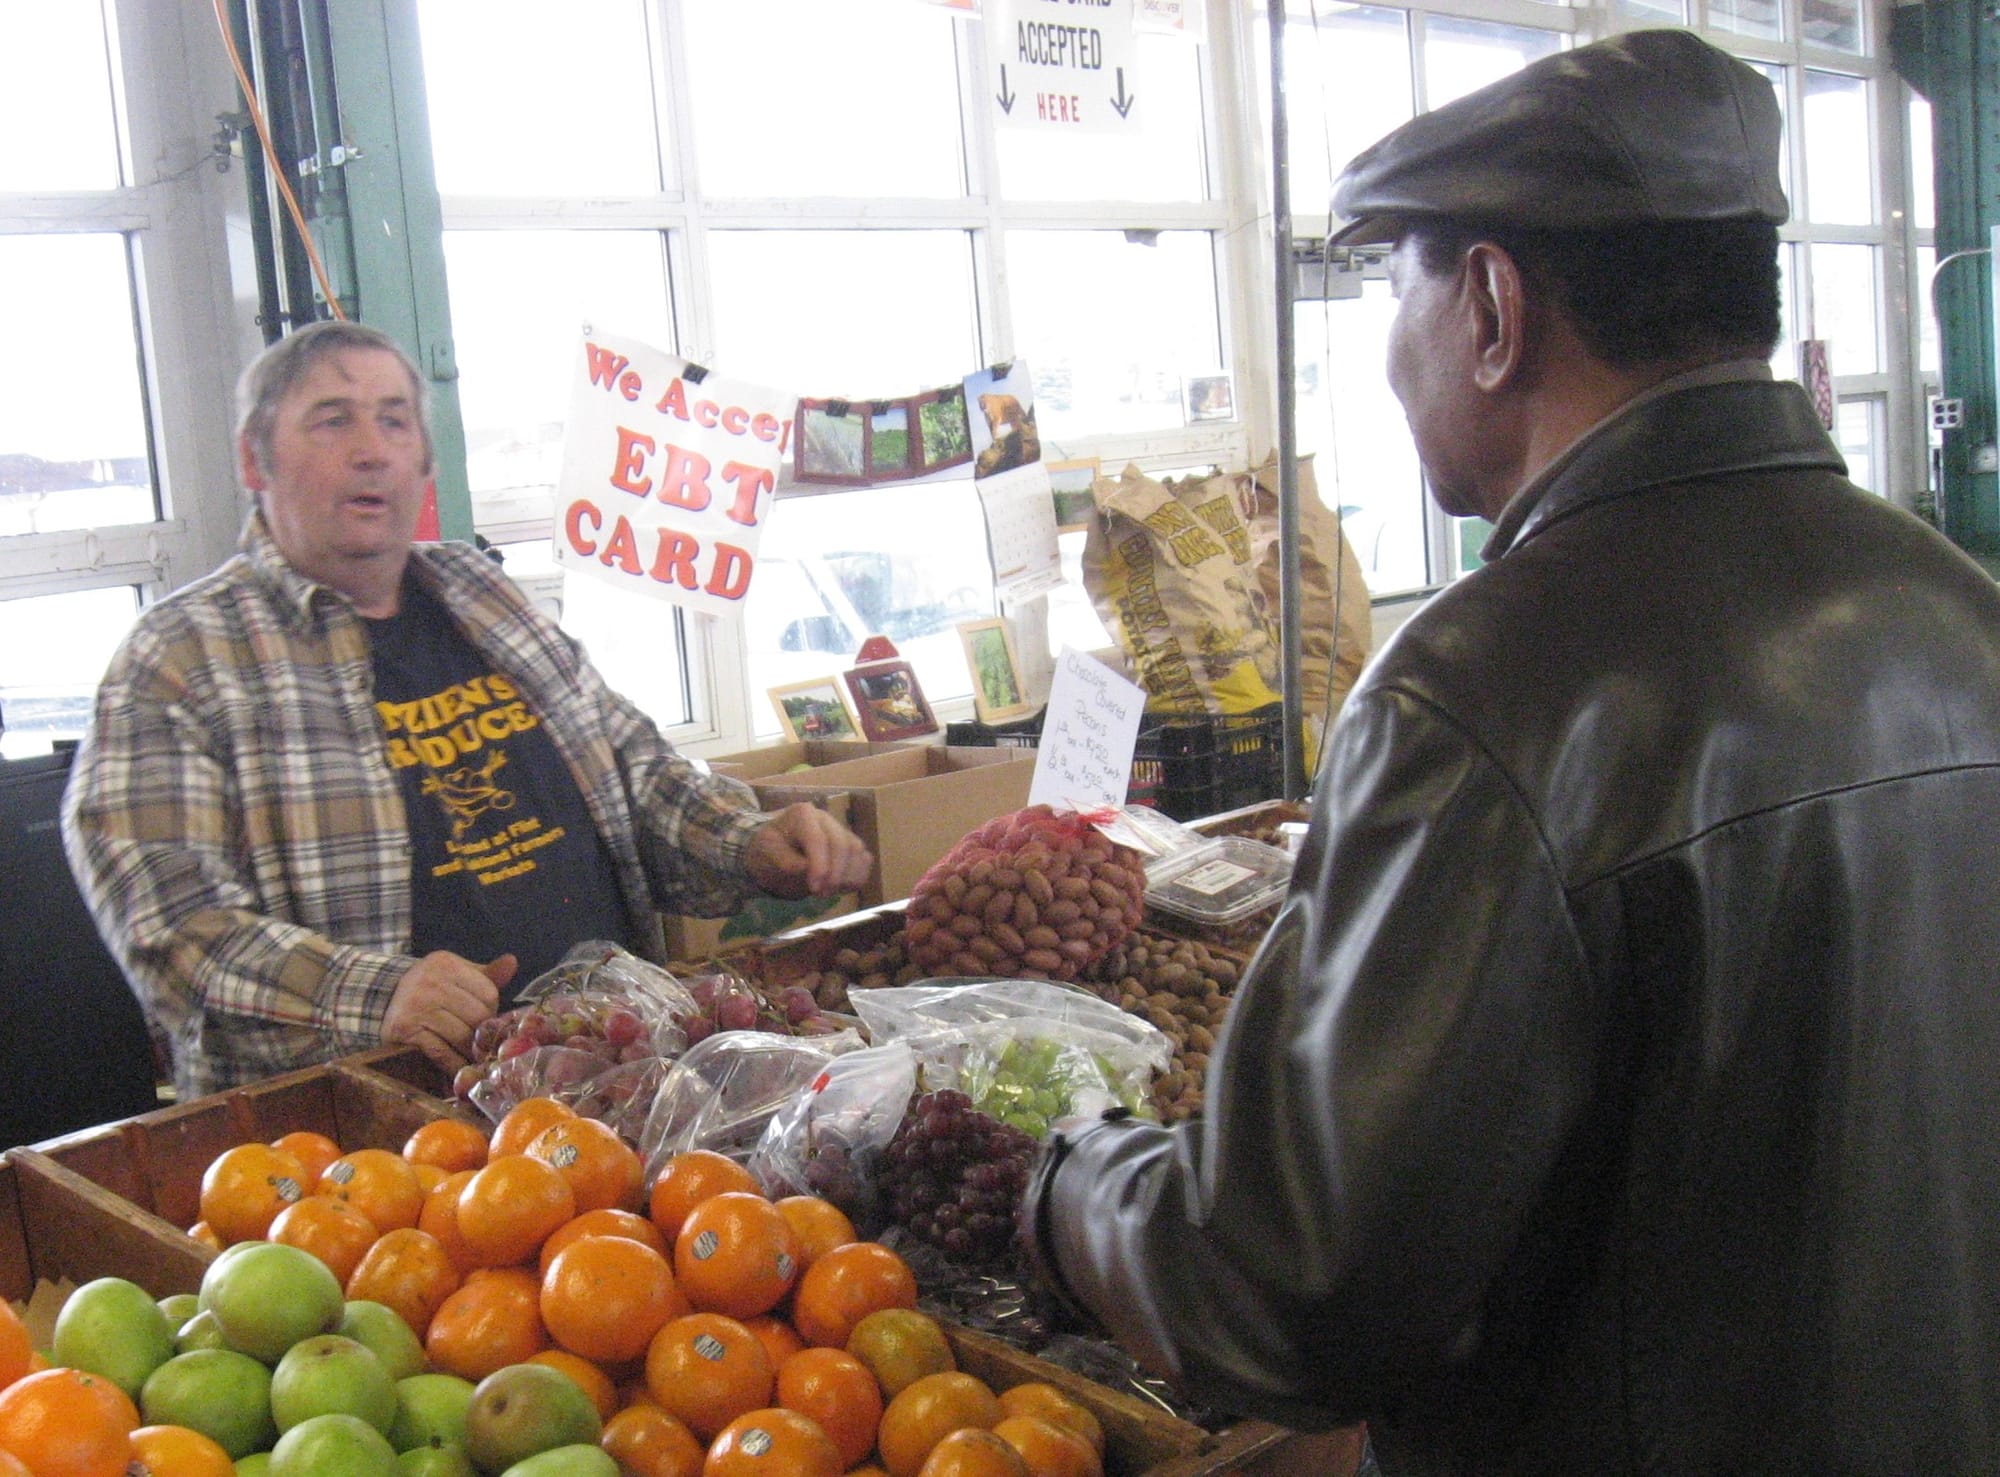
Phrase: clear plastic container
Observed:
(1220, 882)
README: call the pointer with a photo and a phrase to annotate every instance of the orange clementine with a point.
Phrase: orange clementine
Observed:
(440, 1218)
(705, 1370)
(604, 1297)
(773, 1442)
(451, 1144)
(820, 1225)
(493, 1319)
(508, 1208)
(630, 1225)
(838, 1392)
(523, 1123)
(65, 1423)
(244, 1188)
(689, 1178)
(736, 1254)
(647, 1442)
(176, 1451)
(1045, 1401)
(776, 1335)
(408, 1271)
(207, 1235)
(588, 1377)
(926, 1412)
(332, 1230)
(1049, 1450)
(13, 1466)
(429, 1177)
(381, 1185)
(17, 1350)
(847, 1284)
(901, 1346)
(971, 1452)
(604, 1171)
(314, 1151)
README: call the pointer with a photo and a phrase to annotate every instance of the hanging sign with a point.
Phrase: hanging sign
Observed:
(1062, 66)
(1088, 735)
(667, 473)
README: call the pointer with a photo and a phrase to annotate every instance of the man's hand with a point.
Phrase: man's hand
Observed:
(802, 851)
(440, 1000)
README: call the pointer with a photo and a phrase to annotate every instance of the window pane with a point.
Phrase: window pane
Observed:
(1923, 166)
(57, 648)
(69, 459)
(1761, 18)
(1843, 296)
(1111, 326)
(1833, 23)
(633, 641)
(1775, 75)
(864, 314)
(1838, 172)
(55, 90)
(1462, 56)
(1926, 307)
(1365, 463)
(906, 562)
(1073, 618)
(1857, 430)
(528, 98)
(1785, 357)
(1158, 157)
(798, 97)
(1347, 82)
(515, 348)
(1653, 12)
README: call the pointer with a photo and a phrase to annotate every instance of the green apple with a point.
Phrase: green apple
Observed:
(328, 1374)
(199, 1332)
(267, 1296)
(334, 1446)
(430, 1411)
(179, 1307)
(222, 1394)
(437, 1461)
(113, 1328)
(578, 1460)
(523, 1409)
(257, 1464)
(382, 1329)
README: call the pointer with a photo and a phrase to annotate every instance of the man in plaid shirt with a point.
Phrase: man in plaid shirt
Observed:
(342, 790)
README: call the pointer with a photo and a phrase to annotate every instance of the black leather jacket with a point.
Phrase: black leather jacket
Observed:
(1619, 1087)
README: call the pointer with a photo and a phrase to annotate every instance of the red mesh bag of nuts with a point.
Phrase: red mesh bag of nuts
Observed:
(1039, 893)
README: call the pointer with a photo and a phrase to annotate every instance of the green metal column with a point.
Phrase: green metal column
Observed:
(1949, 50)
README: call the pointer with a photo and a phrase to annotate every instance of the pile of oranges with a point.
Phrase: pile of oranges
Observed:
(720, 1333)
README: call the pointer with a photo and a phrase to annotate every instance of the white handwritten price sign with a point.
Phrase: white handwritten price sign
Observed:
(667, 473)
(1088, 734)
(1063, 66)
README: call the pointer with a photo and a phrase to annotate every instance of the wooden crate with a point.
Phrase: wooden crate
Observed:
(113, 1201)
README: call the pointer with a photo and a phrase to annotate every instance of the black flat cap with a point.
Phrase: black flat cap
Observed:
(1647, 126)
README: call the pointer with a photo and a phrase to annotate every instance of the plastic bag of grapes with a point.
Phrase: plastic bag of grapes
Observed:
(594, 1032)
(828, 1140)
(1029, 1052)
(723, 1090)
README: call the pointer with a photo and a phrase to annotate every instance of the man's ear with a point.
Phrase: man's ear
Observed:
(1499, 304)
(246, 464)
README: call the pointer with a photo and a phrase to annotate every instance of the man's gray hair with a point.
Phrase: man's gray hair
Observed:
(263, 386)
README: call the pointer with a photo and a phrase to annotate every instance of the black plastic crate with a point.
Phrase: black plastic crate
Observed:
(1185, 767)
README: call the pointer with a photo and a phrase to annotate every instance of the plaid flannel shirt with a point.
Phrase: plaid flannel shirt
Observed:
(240, 838)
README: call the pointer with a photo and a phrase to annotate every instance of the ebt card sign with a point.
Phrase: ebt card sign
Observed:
(667, 473)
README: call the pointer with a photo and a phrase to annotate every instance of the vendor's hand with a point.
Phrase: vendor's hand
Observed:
(802, 851)
(440, 1000)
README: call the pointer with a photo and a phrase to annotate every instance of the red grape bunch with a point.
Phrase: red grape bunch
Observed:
(954, 1176)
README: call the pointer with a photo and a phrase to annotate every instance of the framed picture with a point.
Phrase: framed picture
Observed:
(1210, 397)
(815, 710)
(889, 701)
(996, 671)
(833, 442)
(1070, 481)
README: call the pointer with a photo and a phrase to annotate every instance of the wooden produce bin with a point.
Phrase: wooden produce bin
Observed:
(114, 1201)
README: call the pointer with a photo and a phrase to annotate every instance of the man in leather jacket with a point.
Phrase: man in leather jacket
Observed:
(1619, 1087)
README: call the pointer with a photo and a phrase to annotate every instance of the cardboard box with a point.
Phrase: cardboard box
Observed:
(777, 759)
(689, 938)
(912, 804)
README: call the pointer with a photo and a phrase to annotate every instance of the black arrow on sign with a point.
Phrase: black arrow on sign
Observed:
(1003, 96)
(1121, 102)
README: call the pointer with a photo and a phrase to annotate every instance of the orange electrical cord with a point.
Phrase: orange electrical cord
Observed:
(278, 172)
